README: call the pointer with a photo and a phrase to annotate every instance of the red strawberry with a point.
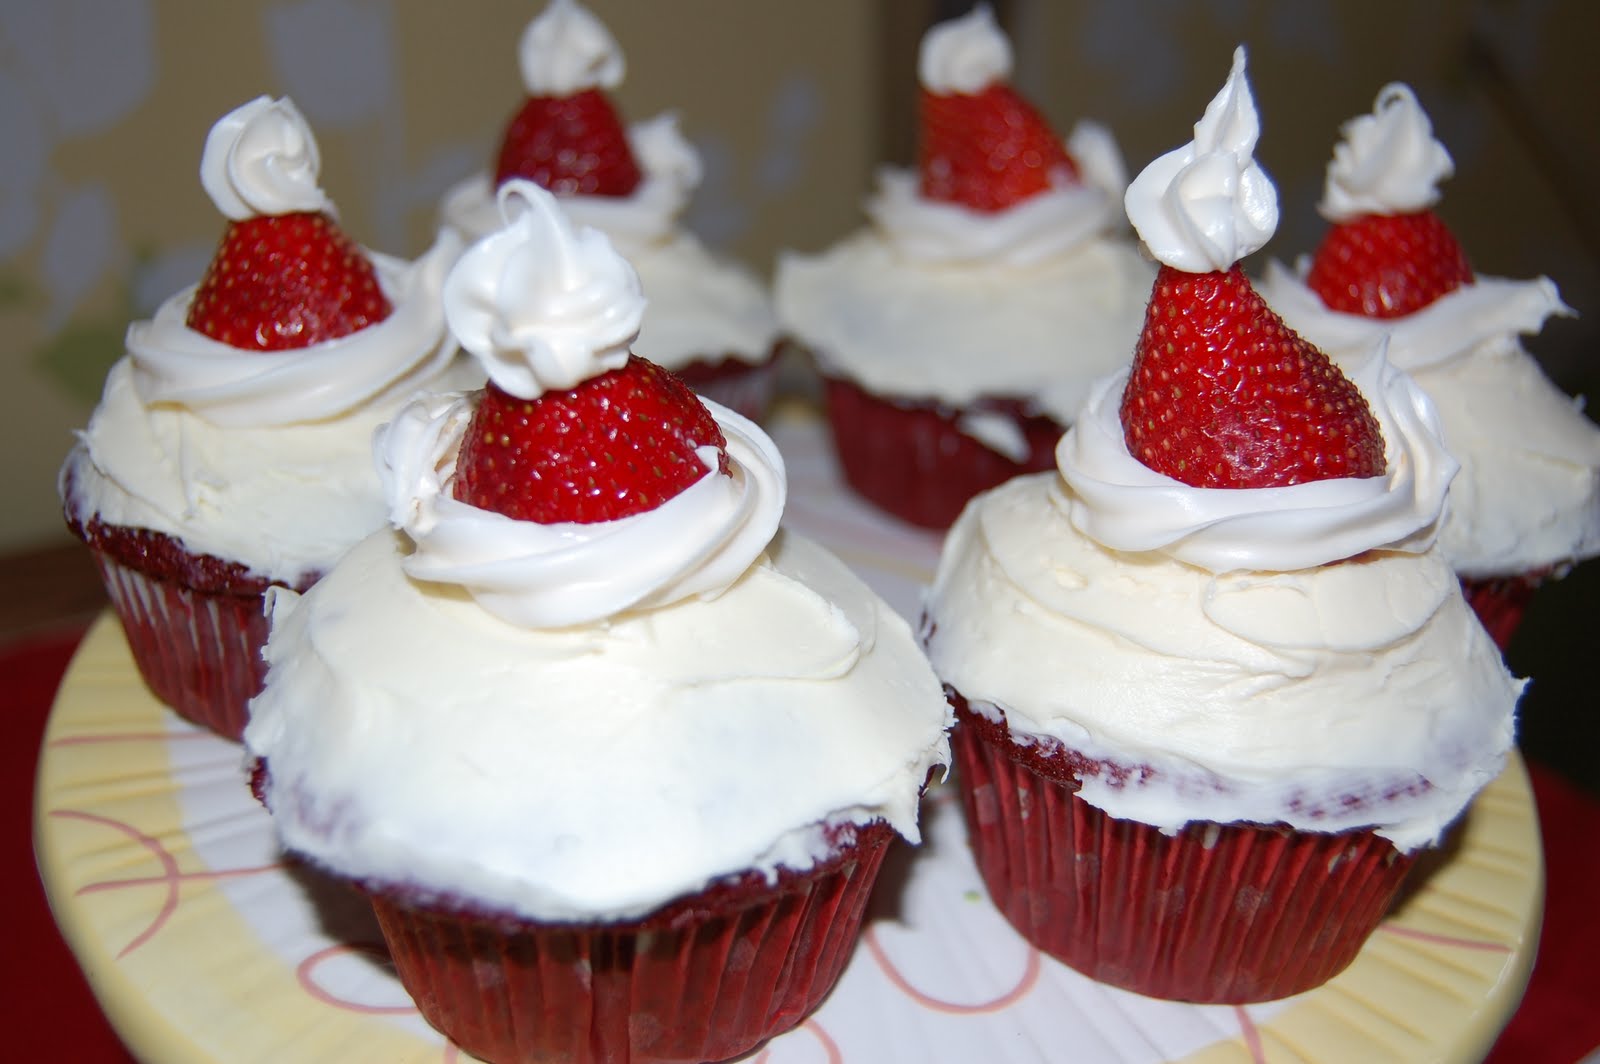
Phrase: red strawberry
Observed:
(1224, 395)
(617, 444)
(988, 150)
(1387, 266)
(569, 145)
(286, 281)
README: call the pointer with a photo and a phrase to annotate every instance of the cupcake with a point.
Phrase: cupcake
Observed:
(231, 451)
(615, 758)
(710, 320)
(1526, 506)
(1215, 685)
(958, 333)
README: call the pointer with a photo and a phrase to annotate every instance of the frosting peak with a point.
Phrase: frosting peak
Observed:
(964, 55)
(1208, 204)
(1388, 163)
(261, 158)
(566, 50)
(541, 303)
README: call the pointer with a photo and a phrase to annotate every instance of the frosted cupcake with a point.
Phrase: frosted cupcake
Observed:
(1215, 686)
(614, 757)
(1526, 506)
(710, 319)
(231, 449)
(958, 334)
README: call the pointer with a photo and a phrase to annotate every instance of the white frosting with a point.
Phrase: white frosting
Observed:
(545, 576)
(1321, 698)
(1389, 162)
(285, 501)
(1044, 225)
(964, 55)
(260, 159)
(1528, 495)
(566, 50)
(956, 332)
(1122, 503)
(596, 771)
(1208, 204)
(175, 366)
(543, 304)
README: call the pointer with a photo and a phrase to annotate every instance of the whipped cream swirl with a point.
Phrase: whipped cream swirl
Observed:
(1125, 505)
(964, 55)
(175, 365)
(697, 543)
(543, 304)
(1388, 163)
(566, 50)
(1028, 232)
(1208, 204)
(260, 159)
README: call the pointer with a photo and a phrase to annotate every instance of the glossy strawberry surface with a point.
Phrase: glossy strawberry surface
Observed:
(618, 444)
(1388, 266)
(1223, 394)
(279, 282)
(989, 150)
(571, 145)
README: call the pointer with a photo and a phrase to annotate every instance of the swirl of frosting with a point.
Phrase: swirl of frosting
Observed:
(174, 364)
(1450, 328)
(261, 158)
(1388, 163)
(1124, 505)
(1208, 204)
(550, 576)
(964, 55)
(1025, 233)
(566, 50)
(542, 303)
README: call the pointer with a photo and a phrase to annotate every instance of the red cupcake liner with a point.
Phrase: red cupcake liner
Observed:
(1501, 601)
(195, 624)
(742, 387)
(706, 978)
(909, 457)
(1218, 913)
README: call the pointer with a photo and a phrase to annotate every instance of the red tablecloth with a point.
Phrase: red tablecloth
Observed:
(55, 1016)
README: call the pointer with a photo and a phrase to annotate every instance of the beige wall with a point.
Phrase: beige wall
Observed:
(104, 105)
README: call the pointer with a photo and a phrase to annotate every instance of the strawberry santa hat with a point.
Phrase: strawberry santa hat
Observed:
(583, 480)
(993, 181)
(1222, 393)
(292, 321)
(982, 144)
(567, 136)
(1387, 254)
(285, 274)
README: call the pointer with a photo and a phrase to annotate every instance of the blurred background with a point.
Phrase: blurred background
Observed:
(104, 105)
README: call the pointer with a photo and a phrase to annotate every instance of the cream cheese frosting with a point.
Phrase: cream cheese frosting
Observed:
(703, 306)
(1528, 496)
(595, 771)
(261, 458)
(1363, 693)
(938, 302)
(1298, 655)
(582, 722)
